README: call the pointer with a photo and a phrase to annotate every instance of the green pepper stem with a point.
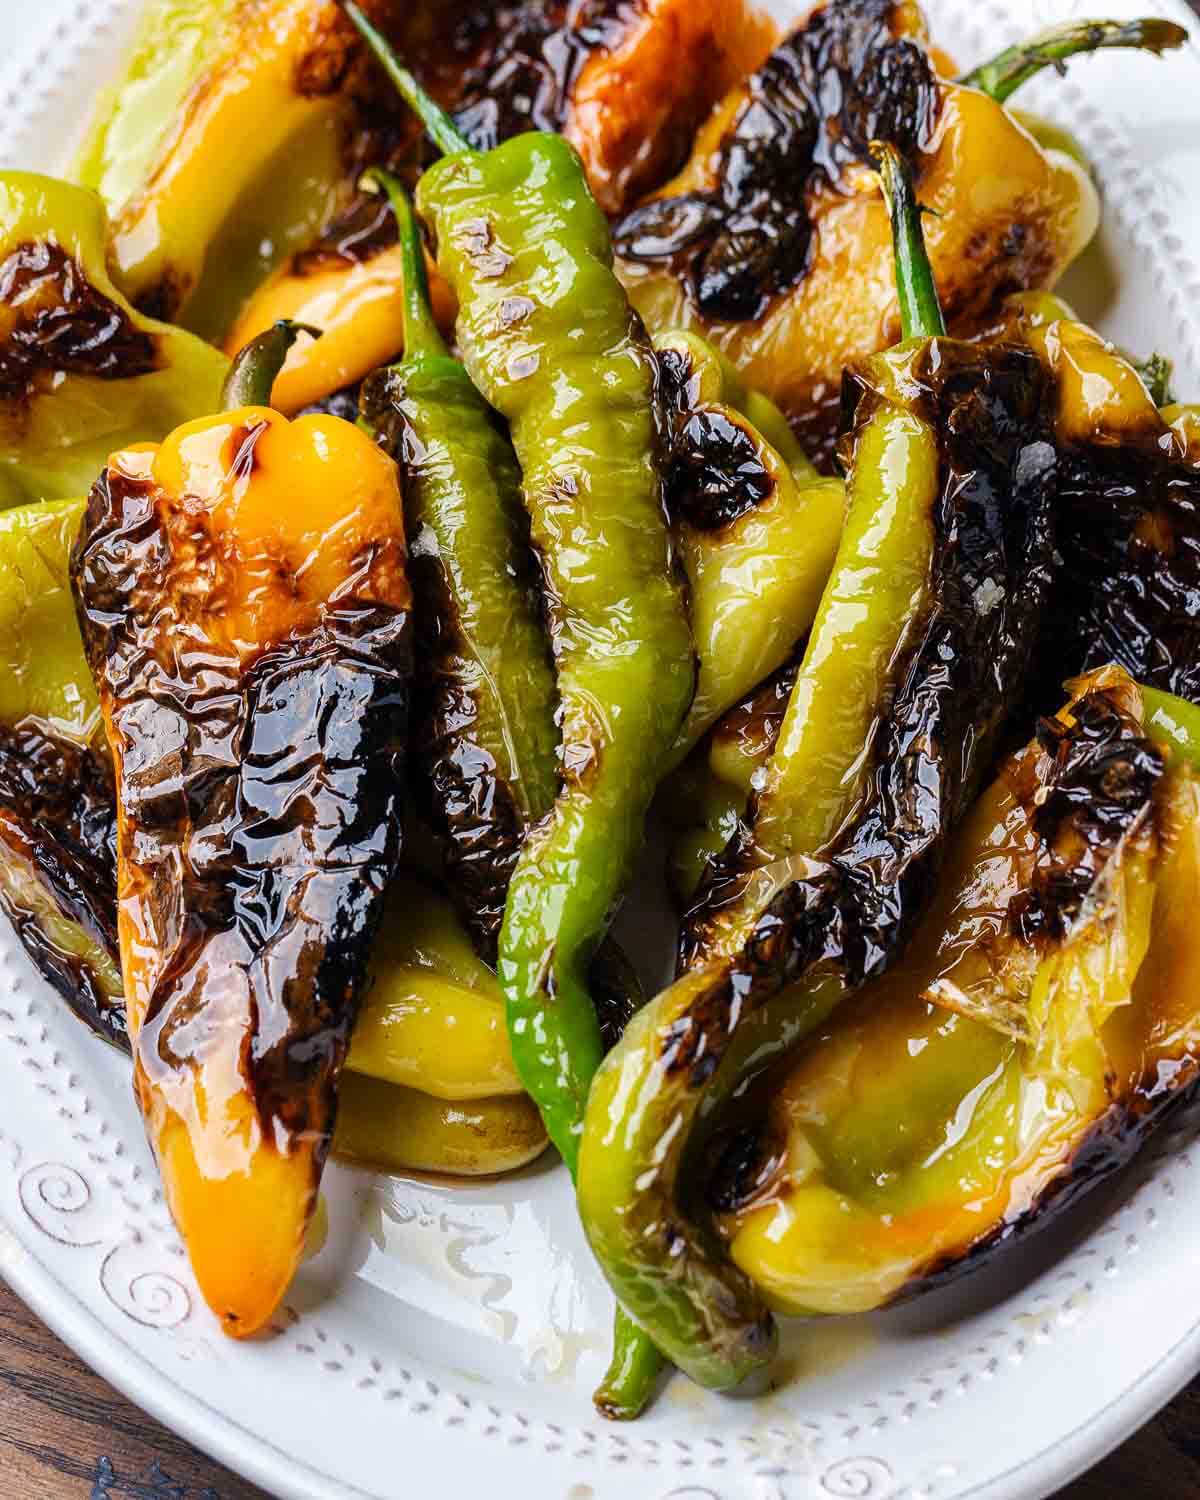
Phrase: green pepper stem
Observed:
(1004, 75)
(441, 129)
(421, 333)
(252, 375)
(920, 309)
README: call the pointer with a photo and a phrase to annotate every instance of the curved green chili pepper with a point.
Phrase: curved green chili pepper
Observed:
(549, 339)
(923, 637)
(1005, 74)
(485, 741)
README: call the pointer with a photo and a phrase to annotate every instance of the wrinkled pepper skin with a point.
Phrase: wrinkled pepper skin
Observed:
(485, 741)
(245, 613)
(548, 339)
(802, 286)
(57, 810)
(920, 647)
(81, 372)
(433, 1016)
(1043, 1025)
(1128, 513)
(626, 83)
(757, 529)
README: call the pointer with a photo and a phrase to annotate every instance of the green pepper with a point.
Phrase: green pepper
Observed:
(705, 800)
(920, 646)
(81, 372)
(1044, 1023)
(484, 731)
(548, 338)
(757, 527)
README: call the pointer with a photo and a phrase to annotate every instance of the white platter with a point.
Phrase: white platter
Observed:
(446, 1340)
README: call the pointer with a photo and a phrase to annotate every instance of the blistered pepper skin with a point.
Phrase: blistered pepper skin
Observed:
(1128, 513)
(548, 339)
(245, 613)
(1047, 1009)
(81, 372)
(626, 85)
(757, 528)
(809, 289)
(929, 619)
(432, 1021)
(485, 739)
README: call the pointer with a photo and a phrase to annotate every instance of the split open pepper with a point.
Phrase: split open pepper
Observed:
(920, 647)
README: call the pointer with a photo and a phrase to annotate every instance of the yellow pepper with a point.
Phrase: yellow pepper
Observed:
(400, 1130)
(433, 1019)
(244, 608)
(83, 372)
(1004, 213)
(277, 80)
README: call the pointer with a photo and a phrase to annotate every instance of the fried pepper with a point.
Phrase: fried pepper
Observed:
(772, 244)
(1043, 1024)
(757, 528)
(920, 648)
(549, 340)
(81, 372)
(626, 84)
(245, 612)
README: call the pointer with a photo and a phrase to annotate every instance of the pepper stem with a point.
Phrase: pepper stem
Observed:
(920, 309)
(1004, 75)
(252, 375)
(441, 129)
(421, 333)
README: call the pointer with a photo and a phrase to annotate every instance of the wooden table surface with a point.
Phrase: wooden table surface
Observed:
(65, 1434)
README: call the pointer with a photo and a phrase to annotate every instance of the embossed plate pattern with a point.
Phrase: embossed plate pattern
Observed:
(449, 1338)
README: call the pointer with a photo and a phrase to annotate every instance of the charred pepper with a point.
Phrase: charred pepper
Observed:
(760, 242)
(627, 85)
(485, 741)
(1043, 1024)
(245, 613)
(757, 527)
(1128, 513)
(81, 372)
(433, 1018)
(920, 646)
(548, 338)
